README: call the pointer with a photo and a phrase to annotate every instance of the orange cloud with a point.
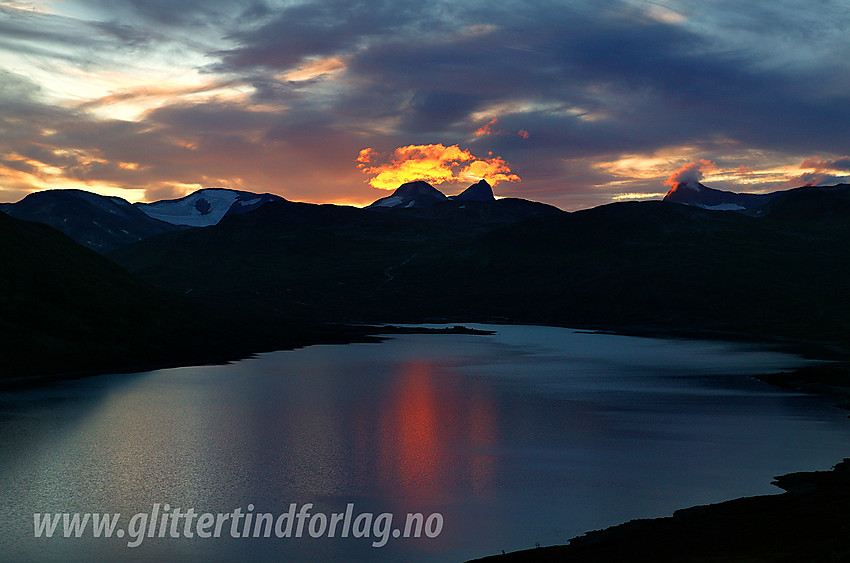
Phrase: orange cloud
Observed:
(487, 129)
(436, 164)
(690, 173)
(823, 171)
(315, 69)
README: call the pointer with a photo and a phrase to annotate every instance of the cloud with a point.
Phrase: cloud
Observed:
(822, 172)
(315, 68)
(690, 174)
(436, 164)
(165, 191)
(837, 164)
(324, 28)
(487, 128)
(164, 92)
(811, 179)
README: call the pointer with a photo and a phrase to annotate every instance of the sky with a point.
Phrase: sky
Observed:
(574, 103)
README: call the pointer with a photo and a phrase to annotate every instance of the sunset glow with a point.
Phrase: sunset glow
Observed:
(436, 164)
(691, 172)
(280, 97)
(315, 69)
(487, 129)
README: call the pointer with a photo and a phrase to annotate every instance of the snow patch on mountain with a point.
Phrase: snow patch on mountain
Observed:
(698, 195)
(200, 209)
(206, 207)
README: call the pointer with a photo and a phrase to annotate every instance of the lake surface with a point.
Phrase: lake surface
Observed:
(532, 435)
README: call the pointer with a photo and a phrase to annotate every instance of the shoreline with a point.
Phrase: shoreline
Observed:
(814, 380)
(336, 334)
(808, 522)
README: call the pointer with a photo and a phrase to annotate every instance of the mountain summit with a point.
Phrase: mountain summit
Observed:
(698, 195)
(477, 192)
(205, 207)
(412, 194)
(422, 194)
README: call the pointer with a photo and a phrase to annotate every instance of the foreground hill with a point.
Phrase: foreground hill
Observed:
(644, 265)
(65, 308)
(806, 523)
(314, 261)
(823, 205)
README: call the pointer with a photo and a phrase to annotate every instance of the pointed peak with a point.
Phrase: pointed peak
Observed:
(481, 191)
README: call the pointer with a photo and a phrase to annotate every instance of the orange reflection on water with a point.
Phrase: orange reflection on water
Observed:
(412, 444)
(425, 431)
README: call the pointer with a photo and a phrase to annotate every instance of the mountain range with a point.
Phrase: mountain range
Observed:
(283, 270)
(104, 223)
(422, 194)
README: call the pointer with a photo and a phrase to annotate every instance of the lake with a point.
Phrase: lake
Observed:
(531, 435)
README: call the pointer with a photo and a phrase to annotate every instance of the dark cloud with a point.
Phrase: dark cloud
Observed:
(436, 112)
(170, 14)
(324, 28)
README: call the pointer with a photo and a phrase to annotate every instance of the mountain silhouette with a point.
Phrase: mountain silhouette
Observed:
(411, 194)
(97, 222)
(699, 195)
(480, 191)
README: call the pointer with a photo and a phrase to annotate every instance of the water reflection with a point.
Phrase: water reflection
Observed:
(414, 441)
(436, 437)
